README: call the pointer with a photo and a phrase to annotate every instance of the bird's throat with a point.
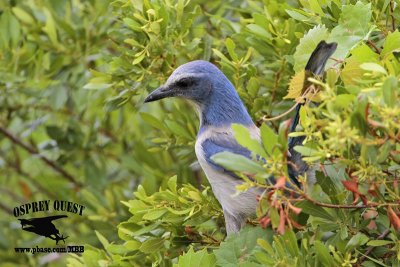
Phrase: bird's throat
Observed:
(223, 112)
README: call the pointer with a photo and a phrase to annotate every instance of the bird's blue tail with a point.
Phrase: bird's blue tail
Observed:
(315, 67)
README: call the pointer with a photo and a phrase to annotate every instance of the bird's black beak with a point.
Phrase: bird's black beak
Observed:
(159, 93)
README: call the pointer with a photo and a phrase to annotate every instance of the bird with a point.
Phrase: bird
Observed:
(219, 107)
(43, 226)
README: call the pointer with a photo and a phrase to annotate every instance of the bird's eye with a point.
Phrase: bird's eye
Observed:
(185, 83)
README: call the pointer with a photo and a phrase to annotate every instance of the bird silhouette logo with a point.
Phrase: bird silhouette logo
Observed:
(44, 226)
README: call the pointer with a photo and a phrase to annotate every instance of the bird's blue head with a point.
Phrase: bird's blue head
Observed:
(203, 84)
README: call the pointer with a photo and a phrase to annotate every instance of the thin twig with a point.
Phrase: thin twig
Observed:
(32, 180)
(17, 166)
(12, 195)
(281, 115)
(340, 206)
(65, 112)
(298, 100)
(277, 80)
(377, 50)
(369, 250)
(5, 208)
(391, 14)
(215, 241)
(346, 206)
(33, 151)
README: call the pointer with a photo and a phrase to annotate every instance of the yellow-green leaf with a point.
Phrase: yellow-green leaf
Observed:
(23, 16)
(296, 85)
(50, 27)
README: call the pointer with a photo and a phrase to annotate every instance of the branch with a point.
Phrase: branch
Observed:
(278, 77)
(369, 250)
(341, 206)
(214, 241)
(377, 50)
(32, 180)
(391, 14)
(12, 195)
(33, 151)
(17, 166)
(5, 208)
(65, 112)
(349, 206)
(303, 97)
(281, 115)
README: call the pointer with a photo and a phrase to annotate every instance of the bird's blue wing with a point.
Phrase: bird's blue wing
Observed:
(220, 143)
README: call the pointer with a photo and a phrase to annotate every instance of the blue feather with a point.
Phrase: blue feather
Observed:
(217, 144)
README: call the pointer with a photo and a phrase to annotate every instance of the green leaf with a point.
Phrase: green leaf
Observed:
(384, 151)
(58, 96)
(15, 29)
(179, 10)
(178, 129)
(351, 72)
(363, 53)
(153, 121)
(23, 16)
(344, 101)
(307, 151)
(55, 132)
(97, 86)
(298, 15)
(265, 245)
(296, 85)
(379, 243)
(373, 67)
(269, 140)
(196, 259)
(118, 101)
(290, 240)
(323, 255)
(390, 90)
(102, 239)
(235, 162)
(132, 245)
(316, 7)
(392, 44)
(151, 245)
(115, 103)
(220, 55)
(314, 210)
(117, 249)
(50, 27)
(253, 87)
(260, 31)
(307, 45)
(244, 138)
(230, 45)
(172, 184)
(327, 185)
(238, 247)
(352, 29)
(133, 24)
(6, 29)
(139, 57)
(357, 240)
(154, 214)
